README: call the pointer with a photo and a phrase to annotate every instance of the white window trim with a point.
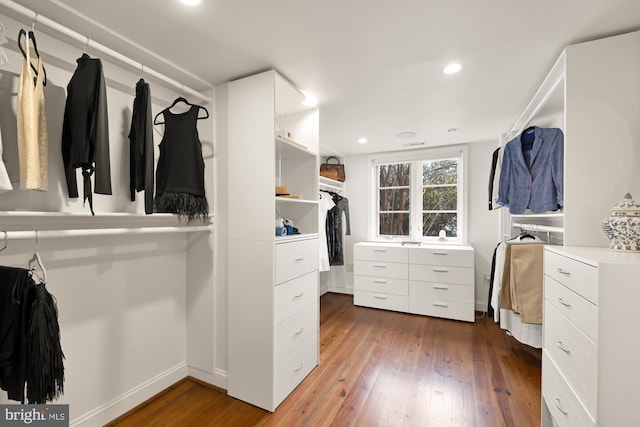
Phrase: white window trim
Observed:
(461, 151)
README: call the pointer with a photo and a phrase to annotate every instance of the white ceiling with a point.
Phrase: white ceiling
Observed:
(375, 65)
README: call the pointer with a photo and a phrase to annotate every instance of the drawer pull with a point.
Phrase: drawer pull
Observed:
(379, 281)
(299, 259)
(440, 270)
(379, 265)
(557, 402)
(444, 288)
(379, 250)
(563, 302)
(299, 368)
(440, 304)
(299, 332)
(441, 253)
(561, 271)
(300, 295)
(379, 297)
(562, 347)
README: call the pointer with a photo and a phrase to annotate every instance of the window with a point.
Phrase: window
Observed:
(419, 195)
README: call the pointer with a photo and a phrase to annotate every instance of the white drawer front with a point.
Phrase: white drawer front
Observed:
(442, 291)
(293, 259)
(578, 310)
(441, 274)
(566, 409)
(574, 354)
(381, 285)
(577, 276)
(294, 369)
(294, 332)
(380, 300)
(441, 256)
(392, 270)
(292, 296)
(376, 252)
(443, 308)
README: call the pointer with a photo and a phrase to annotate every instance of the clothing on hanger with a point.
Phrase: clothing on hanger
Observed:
(141, 155)
(189, 104)
(325, 205)
(334, 228)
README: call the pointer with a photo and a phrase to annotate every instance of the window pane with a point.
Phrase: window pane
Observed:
(395, 199)
(394, 175)
(440, 172)
(432, 223)
(394, 224)
(440, 198)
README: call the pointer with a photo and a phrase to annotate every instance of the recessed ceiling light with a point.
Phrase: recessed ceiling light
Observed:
(362, 140)
(191, 2)
(405, 135)
(310, 101)
(452, 68)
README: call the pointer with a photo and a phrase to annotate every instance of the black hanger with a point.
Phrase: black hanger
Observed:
(525, 235)
(35, 49)
(175, 101)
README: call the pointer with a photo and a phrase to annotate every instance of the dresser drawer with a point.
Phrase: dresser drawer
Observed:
(578, 310)
(441, 256)
(441, 274)
(573, 353)
(380, 252)
(442, 308)
(565, 408)
(382, 285)
(293, 296)
(392, 270)
(294, 369)
(294, 332)
(293, 259)
(442, 291)
(381, 300)
(575, 275)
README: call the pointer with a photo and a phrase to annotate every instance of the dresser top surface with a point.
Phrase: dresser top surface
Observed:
(595, 255)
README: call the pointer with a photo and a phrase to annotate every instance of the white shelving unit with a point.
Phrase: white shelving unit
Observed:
(273, 319)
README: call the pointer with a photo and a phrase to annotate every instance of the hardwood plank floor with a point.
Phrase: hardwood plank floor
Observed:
(382, 368)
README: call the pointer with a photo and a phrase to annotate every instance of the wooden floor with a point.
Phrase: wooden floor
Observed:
(380, 368)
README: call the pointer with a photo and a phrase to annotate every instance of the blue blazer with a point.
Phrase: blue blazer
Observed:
(538, 186)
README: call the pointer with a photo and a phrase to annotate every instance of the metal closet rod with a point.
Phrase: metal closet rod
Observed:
(84, 232)
(43, 20)
(538, 227)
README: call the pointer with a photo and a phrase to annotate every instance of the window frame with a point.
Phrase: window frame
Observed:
(416, 158)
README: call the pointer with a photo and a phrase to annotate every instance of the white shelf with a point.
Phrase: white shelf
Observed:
(286, 147)
(289, 200)
(295, 237)
(330, 183)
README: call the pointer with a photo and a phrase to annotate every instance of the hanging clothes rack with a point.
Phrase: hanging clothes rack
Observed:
(90, 232)
(87, 42)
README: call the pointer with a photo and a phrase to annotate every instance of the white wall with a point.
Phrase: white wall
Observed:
(124, 301)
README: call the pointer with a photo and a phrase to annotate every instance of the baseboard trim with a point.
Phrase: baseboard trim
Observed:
(106, 413)
(481, 306)
(217, 379)
(340, 290)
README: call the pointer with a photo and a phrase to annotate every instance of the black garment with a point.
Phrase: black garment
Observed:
(334, 229)
(141, 147)
(15, 301)
(492, 177)
(85, 130)
(180, 171)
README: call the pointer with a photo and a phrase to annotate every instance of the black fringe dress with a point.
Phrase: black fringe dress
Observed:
(180, 170)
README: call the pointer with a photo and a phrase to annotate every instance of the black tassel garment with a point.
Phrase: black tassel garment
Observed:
(184, 205)
(45, 366)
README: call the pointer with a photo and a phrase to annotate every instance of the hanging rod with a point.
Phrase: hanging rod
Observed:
(537, 227)
(87, 42)
(50, 234)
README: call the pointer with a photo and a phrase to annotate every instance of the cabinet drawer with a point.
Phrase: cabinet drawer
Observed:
(441, 291)
(441, 256)
(565, 408)
(294, 369)
(294, 332)
(381, 284)
(375, 252)
(442, 308)
(292, 296)
(573, 353)
(380, 300)
(578, 310)
(441, 274)
(392, 270)
(575, 275)
(293, 259)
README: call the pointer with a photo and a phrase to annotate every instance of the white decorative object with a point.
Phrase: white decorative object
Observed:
(622, 227)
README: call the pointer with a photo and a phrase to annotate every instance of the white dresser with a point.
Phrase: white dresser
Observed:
(432, 280)
(591, 348)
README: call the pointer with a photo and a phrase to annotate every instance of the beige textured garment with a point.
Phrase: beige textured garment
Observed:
(522, 281)
(32, 125)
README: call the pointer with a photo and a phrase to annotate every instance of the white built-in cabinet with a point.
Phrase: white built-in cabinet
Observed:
(431, 280)
(273, 304)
